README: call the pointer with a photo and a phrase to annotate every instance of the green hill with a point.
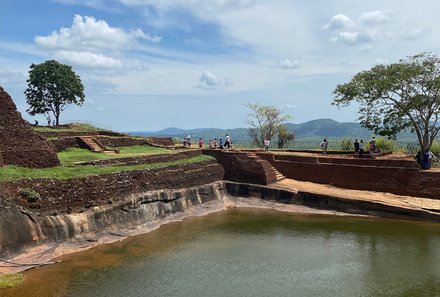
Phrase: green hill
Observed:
(309, 130)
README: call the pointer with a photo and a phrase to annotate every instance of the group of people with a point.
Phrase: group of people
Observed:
(359, 147)
(216, 143)
(213, 144)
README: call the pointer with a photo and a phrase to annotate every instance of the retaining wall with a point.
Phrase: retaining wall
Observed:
(394, 176)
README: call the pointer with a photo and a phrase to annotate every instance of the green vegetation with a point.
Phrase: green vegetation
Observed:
(347, 145)
(70, 156)
(51, 87)
(397, 97)
(30, 194)
(74, 127)
(10, 280)
(10, 173)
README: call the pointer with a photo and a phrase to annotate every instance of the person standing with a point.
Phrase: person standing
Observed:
(200, 143)
(324, 146)
(221, 143)
(356, 148)
(188, 139)
(227, 141)
(210, 143)
(48, 120)
(215, 143)
(361, 148)
(266, 145)
(373, 147)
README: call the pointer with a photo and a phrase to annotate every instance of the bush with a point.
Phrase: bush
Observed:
(435, 148)
(384, 145)
(30, 194)
(347, 145)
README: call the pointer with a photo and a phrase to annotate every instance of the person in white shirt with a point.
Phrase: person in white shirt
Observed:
(266, 144)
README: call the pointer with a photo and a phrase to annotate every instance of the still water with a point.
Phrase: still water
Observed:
(254, 253)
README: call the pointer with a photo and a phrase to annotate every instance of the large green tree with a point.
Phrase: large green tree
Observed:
(265, 122)
(51, 87)
(397, 97)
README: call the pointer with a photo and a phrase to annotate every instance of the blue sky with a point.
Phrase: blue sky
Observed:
(152, 64)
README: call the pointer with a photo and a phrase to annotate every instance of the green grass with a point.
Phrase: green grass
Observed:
(72, 155)
(73, 128)
(10, 280)
(10, 173)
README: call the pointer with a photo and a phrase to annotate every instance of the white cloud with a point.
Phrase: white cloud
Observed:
(413, 33)
(208, 81)
(288, 64)
(339, 21)
(368, 27)
(8, 78)
(353, 38)
(375, 17)
(88, 59)
(87, 33)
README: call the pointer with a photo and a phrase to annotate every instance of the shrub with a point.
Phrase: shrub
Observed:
(346, 145)
(435, 148)
(30, 194)
(384, 145)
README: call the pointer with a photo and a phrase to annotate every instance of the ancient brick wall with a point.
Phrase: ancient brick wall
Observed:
(241, 167)
(403, 180)
(160, 141)
(79, 193)
(121, 141)
(19, 144)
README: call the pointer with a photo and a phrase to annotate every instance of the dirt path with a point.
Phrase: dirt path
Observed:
(385, 198)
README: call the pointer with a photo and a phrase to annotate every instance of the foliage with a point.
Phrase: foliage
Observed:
(397, 97)
(10, 280)
(51, 87)
(9, 173)
(385, 145)
(435, 148)
(72, 155)
(30, 194)
(284, 136)
(265, 122)
(347, 145)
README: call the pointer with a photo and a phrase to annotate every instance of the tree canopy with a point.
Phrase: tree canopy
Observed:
(265, 122)
(397, 97)
(51, 87)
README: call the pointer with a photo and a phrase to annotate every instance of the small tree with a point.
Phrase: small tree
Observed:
(397, 97)
(51, 87)
(265, 122)
(284, 136)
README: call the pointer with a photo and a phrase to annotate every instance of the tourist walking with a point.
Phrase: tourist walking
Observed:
(215, 143)
(324, 146)
(373, 147)
(361, 148)
(188, 140)
(200, 143)
(48, 120)
(210, 143)
(356, 148)
(227, 141)
(266, 144)
(221, 143)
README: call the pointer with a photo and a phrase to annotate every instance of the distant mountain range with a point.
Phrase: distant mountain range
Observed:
(312, 129)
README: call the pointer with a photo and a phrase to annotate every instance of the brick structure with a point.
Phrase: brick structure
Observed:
(19, 144)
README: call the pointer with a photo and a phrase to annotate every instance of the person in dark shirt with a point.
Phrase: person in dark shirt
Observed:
(356, 148)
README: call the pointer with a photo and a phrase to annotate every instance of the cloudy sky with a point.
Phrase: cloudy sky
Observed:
(152, 64)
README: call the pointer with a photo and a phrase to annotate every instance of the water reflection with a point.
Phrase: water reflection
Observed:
(254, 253)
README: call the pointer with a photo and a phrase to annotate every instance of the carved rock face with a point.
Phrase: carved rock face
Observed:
(19, 144)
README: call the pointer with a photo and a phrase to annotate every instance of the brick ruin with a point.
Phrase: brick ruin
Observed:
(19, 144)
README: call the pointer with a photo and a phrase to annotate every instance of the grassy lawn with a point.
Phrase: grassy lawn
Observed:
(11, 280)
(10, 173)
(71, 128)
(72, 155)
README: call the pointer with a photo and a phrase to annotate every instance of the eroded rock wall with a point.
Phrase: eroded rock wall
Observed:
(20, 229)
(19, 144)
